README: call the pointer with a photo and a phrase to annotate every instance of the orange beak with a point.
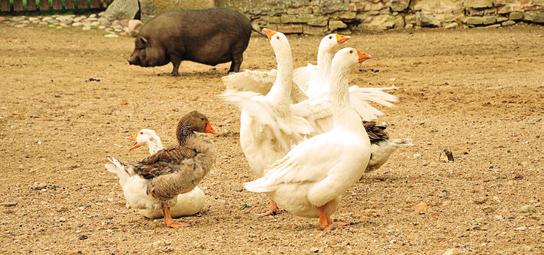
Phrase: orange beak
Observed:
(340, 39)
(362, 56)
(209, 129)
(135, 145)
(269, 33)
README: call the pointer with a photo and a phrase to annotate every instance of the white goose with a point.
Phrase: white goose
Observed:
(310, 78)
(309, 180)
(268, 127)
(134, 187)
(311, 82)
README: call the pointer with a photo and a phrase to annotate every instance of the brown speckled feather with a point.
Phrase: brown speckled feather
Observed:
(165, 161)
(375, 132)
(177, 178)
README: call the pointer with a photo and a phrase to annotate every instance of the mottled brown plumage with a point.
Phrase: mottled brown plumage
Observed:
(375, 132)
(381, 147)
(179, 169)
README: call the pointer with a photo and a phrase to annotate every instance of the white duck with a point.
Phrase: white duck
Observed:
(310, 78)
(268, 127)
(134, 187)
(312, 94)
(309, 180)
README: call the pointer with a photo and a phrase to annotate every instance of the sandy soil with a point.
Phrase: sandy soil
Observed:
(69, 98)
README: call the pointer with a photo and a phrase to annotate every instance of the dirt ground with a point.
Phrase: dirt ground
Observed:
(69, 98)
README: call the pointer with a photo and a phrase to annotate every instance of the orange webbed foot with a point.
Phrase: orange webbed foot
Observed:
(273, 210)
(336, 225)
(177, 224)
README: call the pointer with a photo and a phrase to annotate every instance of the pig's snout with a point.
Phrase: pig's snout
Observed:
(131, 61)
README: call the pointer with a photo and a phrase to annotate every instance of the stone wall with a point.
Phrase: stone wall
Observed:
(323, 16)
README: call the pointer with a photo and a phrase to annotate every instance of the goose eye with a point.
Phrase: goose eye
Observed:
(141, 133)
(278, 37)
(351, 52)
(330, 37)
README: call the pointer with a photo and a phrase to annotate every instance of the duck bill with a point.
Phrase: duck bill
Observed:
(209, 129)
(135, 146)
(269, 33)
(341, 39)
(362, 56)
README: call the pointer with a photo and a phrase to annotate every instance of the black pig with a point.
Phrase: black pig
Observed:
(209, 36)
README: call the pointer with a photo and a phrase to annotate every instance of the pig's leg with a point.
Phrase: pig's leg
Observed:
(236, 62)
(176, 62)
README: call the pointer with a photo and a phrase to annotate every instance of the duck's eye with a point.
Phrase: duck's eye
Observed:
(278, 37)
(330, 36)
(351, 52)
(141, 133)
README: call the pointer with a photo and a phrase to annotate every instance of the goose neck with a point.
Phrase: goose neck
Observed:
(155, 146)
(281, 89)
(324, 59)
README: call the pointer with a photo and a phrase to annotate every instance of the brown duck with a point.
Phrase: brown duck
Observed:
(174, 170)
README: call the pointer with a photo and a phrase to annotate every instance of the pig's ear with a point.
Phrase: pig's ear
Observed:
(141, 42)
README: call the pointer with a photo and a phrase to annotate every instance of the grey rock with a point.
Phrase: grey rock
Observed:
(318, 21)
(121, 9)
(399, 5)
(501, 19)
(451, 26)
(336, 24)
(290, 28)
(508, 23)
(380, 23)
(44, 186)
(303, 18)
(103, 21)
(478, 3)
(427, 20)
(534, 16)
(314, 30)
(488, 20)
(79, 18)
(77, 24)
(516, 15)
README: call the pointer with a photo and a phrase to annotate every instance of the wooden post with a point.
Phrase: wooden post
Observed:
(31, 5)
(95, 4)
(4, 5)
(82, 4)
(18, 5)
(44, 5)
(57, 5)
(69, 5)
